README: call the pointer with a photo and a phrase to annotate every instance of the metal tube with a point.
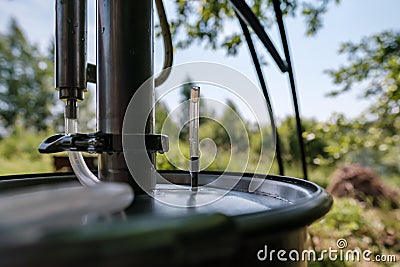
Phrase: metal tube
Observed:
(70, 71)
(124, 62)
(168, 48)
(194, 136)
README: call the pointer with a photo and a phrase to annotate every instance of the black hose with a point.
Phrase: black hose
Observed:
(263, 85)
(251, 20)
(279, 19)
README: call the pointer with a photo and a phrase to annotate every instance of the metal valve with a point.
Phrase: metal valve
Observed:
(97, 143)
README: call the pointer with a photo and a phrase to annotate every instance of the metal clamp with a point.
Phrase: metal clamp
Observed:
(96, 143)
(91, 142)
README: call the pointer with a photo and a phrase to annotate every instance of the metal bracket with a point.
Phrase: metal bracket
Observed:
(97, 143)
(91, 142)
(157, 143)
(91, 75)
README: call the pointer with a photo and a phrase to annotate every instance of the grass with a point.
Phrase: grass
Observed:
(19, 154)
(363, 227)
(24, 165)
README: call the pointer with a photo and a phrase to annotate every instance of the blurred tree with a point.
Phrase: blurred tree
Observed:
(161, 113)
(206, 21)
(27, 95)
(315, 140)
(373, 68)
(375, 60)
(26, 83)
(235, 128)
(184, 118)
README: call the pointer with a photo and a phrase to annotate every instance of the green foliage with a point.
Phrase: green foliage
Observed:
(27, 95)
(160, 116)
(314, 140)
(340, 140)
(19, 155)
(364, 228)
(371, 139)
(375, 60)
(28, 100)
(184, 119)
(218, 154)
(327, 143)
(204, 21)
(312, 12)
(26, 77)
(364, 142)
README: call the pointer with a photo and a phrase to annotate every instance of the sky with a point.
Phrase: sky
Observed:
(349, 21)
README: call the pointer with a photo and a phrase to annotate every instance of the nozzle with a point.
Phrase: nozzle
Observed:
(71, 109)
(194, 93)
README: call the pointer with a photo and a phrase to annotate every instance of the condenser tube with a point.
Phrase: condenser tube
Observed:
(194, 136)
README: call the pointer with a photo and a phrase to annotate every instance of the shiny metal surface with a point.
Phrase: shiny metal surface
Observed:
(124, 62)
(71, 40)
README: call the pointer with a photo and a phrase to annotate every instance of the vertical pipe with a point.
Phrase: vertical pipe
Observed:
(70, 67)
(124, 62)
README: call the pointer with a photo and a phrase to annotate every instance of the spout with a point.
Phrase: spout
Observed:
(54, 144)
(71, 109)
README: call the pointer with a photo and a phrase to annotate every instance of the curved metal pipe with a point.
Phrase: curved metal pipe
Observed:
(168, 49)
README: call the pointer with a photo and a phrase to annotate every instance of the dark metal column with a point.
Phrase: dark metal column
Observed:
(124, 62)
(70, 74)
